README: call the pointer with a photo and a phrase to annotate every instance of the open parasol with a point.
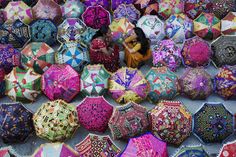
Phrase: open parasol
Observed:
(228, 149)
(2, 82)
(116, 3)
(191, 151)
(104, 3)
(72, 9)
(222, 7)
(147, 7)
(228, 24)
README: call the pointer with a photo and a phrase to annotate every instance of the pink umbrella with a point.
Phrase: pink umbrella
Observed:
(61, 81)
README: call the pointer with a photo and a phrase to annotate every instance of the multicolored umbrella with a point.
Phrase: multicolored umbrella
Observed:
(207, 26)
(196, 83)
(196, 52)
(179, 27)
(38, 56)
(116, 3)
(94, 113)
(16, 123)
(224, 50)
(167, 53)
(74, 54)
(225, 82)
(95, 145)
(43, 30)
(222, 7)
(72, 9)
(146, 145)
(61, 81)
(128, 84)
(187, 151)
(87, 36)
(147, 7)
(153, 27)
(23, 85)
(71, 30)
(59, 127)
(213, 123)
(18, 10)
(2, 82)
(47, 9)
(171, 121)
(127, 11)
(7, 151)
(104, 3)
(96, 17)
(128, 121)
(16, 33)
(94, 80)
(55, 150)
(10, 57)
(228, 24)
(228, 149)
(163, 84)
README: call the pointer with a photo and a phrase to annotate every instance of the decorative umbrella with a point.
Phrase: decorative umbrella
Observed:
(94, 80)
(213, 123)
(207, 26)
(2, 82)
(96, 17)
(188, 151)
(47, 9)
(179, 27)
(3, 3)
(228, 24)
(2, 16)
(72, 9)
(16, 123)
(7, 151)
(196, 52)
(87, 36)
(95, 145)
(224, 50)
(228, 149)
(193, 8)
(55, 150)
(128, 84)
(59, 127)
(222, 7)
(163, 84)
(71, 30)
(147, 7)
(9, 56)
(116, 3)
(38, 56)
(61, 81)
(153, 27)
(74, 54)
(16, 33)
(146, 145)
(196, 83)
(120, 28)
(23, 85)
(18, 10)
(127, 11)
(128, 121)
(167, 53)
(104, 3)
(94, 113)
(225, 82)
(171, 121)
(43, 30)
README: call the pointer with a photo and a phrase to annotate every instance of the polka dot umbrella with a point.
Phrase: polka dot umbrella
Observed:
(222, 7)
(228, 149)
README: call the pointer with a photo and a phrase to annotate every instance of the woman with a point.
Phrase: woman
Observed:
(103, 52)
(137, 49)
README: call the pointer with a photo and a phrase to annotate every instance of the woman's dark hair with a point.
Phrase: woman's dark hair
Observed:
(102, 31)
(143, 40)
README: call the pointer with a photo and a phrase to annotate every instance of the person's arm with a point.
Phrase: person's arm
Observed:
(105, 51)
(136, 48)
(129, 39)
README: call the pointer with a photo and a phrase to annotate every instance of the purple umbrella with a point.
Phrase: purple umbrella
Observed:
(103, 3)
(116, 3)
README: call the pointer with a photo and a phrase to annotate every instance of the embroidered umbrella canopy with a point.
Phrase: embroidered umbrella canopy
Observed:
(2, 82)
(163, 84)
(7, 151)
(104, 3)
(228, 149)
(197, 151)
(127, 11)
(95, 145)
(128, 121)
(94, 80)
(59, 127)
(171, 121)
(167, 53)
(18, 10)
(213, 123)
(9, 56)
(38, 55)
(55, 150)
(43, 30)
(147, 7)
(71, 30)
(94, 113)
(145, 145)
(116, 3)
(72, 9)
(23, 85)
(87, 36)
(3, 3)
(153, 27)
(16, 123)
(74, 54)
(225, 82)
(224, 50)
(128, 84)
(207, 26)
(228, 24)
(196, 83)
(222, 7)
(61, 81)
(96, 17)
(15, 33)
